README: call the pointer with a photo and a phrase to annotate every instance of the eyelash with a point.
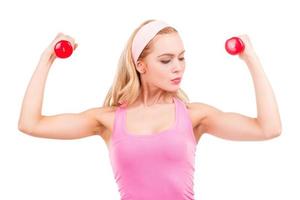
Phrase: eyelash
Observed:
(167, 61)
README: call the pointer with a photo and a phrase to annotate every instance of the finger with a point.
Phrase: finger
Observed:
(70, 38)
(57, 38)
(58, 35)
(75, 46)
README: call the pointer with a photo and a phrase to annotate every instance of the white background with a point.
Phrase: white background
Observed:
(38, 168)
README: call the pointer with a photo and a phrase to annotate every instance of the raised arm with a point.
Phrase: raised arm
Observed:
(67, 125)
(235, 126)
(230, 125)
(61, 126)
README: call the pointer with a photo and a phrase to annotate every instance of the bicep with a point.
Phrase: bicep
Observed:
(231, 125)
(67, 125)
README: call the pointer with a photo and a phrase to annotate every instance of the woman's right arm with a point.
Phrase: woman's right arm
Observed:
(67, 125)
(61, 126)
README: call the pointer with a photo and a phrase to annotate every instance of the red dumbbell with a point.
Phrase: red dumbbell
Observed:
(234, 45)
(63, 49)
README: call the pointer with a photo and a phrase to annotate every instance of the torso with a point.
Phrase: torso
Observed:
(154, 121)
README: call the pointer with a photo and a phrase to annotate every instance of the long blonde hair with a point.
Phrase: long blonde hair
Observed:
(126, 85)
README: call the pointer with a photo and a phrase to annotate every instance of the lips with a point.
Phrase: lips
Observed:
(176, 79)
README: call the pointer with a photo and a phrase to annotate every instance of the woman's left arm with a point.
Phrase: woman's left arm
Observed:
(234, 125)
(267, 110)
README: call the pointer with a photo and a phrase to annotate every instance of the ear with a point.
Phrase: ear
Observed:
(141, 67)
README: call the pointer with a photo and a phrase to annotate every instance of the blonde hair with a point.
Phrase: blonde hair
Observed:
(126, 85)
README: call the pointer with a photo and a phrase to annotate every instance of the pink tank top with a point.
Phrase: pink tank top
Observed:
(159, 166)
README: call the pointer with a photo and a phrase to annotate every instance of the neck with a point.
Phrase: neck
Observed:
(146, 100)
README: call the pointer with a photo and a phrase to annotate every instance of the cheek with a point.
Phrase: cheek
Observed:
(161, 73)
(158, 72)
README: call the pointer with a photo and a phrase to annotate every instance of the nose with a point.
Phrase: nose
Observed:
(178, 66)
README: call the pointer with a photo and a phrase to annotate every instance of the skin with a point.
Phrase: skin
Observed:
(157, 70)
(155, 78)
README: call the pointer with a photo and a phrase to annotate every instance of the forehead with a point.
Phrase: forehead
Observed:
(170, 43)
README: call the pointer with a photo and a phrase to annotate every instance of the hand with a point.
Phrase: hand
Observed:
(248, 52)
(49, 53)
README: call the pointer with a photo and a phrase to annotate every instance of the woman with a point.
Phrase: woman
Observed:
(147, 122)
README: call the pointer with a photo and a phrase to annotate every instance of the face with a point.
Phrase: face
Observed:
(165, 62)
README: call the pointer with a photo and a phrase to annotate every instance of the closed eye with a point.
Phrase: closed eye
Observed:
(167, 61)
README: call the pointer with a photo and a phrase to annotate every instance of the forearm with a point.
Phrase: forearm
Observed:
(33, 98)
(267, 110)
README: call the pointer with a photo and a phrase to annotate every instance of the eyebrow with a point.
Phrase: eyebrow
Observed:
(170, 54)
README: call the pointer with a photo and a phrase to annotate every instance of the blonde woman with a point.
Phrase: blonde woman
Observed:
(147, 122)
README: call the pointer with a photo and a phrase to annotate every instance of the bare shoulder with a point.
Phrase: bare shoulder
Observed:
(105, 117)
(198, 111)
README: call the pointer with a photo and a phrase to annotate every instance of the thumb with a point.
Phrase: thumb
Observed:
(75, 46)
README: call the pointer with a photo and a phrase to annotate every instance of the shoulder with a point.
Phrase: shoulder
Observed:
(196, 107)
(198, 111)
(99, 111)
(199, 106)
(104, 116)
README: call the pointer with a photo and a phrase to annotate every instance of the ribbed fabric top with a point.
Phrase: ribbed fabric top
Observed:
(156, 166)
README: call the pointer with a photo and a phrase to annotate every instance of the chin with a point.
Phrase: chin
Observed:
(174, 89)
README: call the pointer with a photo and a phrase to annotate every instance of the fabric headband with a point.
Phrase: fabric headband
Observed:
(143, 37)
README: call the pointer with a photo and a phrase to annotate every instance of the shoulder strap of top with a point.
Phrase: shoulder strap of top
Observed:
(118, 122)
(185, 119)
(180, 105)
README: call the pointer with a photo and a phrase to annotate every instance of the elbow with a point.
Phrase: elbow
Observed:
(272, 133)
(27, 127)
(21, 128)
(24, 129)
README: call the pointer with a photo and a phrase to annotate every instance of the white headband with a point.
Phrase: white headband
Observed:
(143, 37)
